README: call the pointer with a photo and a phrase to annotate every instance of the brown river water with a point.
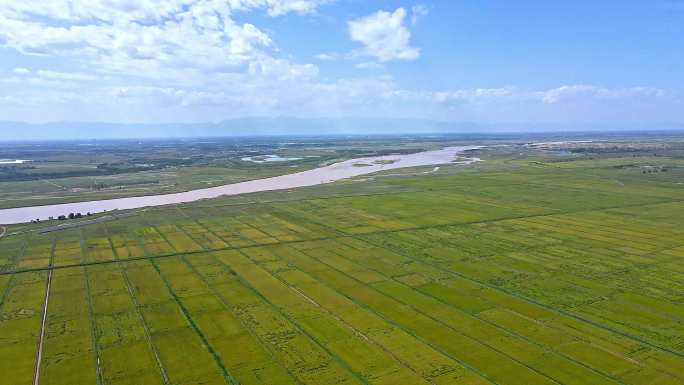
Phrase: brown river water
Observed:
(321, 175)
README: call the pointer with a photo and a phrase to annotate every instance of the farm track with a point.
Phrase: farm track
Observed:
(41, 333)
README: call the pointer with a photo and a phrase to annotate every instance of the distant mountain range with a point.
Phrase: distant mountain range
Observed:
(287, 126)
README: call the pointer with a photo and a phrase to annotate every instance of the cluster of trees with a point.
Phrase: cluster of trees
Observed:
(64, 217)
(72, 216)
(651, 170)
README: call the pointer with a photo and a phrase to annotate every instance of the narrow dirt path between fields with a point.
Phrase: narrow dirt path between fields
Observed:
(41, 336)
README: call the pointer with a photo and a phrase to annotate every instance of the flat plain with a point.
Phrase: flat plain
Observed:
(520, 270)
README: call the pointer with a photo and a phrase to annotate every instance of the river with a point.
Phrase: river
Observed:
(327, 174)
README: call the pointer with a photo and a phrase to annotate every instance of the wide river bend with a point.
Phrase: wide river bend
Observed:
(334, 172)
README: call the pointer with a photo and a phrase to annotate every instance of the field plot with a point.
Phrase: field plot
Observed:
(21, 309)
(68, 356)
(537, 274)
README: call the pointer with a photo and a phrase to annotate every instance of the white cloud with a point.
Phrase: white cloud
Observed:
(65, 75)
(369, 65)
(477, 94)
(577, 92)
(282, 7)
(384, 36)
(154, 39)
(326, 56)
(21, 71)
(147, 10)
(173, 60)
(418, 12)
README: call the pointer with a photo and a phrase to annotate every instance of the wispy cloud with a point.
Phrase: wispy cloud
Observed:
(418, 12)
(21, 71)
(65, 75)
(372, 65)
(327, 56)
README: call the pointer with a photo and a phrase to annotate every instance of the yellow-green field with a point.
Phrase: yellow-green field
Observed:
(526, 273)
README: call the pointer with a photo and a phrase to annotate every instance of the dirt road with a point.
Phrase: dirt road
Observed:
(41, 337)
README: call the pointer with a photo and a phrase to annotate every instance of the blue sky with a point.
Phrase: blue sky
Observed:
(615, 62)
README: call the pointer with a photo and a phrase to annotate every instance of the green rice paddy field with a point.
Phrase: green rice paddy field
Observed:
(530, 273)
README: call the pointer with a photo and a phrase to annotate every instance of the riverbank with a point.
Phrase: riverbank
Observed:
(321, 175)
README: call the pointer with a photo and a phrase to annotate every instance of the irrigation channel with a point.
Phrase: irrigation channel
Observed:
(327, 174)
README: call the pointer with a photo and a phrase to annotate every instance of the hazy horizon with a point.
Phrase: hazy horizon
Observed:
(288, 126)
